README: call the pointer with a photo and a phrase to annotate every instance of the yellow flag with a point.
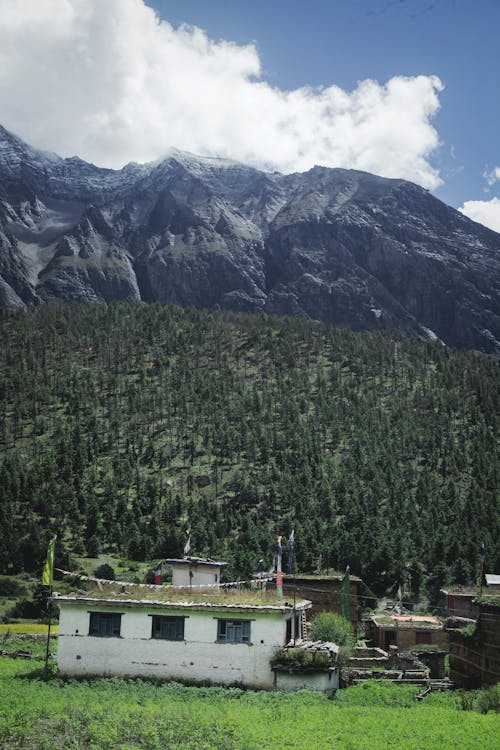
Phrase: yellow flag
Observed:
(48, 568)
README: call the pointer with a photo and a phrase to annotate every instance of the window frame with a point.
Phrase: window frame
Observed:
(98, 622)
(239, 630)
(178, 623)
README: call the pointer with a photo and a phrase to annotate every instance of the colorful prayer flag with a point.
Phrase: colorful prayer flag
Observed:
(157, 572)
(259, 569)
(187, 546)
(48, 568)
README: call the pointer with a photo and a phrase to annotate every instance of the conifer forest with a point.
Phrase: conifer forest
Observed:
(124, 427)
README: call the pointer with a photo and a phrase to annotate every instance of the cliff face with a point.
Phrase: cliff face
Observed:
(338, 246)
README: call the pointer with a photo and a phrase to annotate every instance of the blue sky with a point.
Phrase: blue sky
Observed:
(322, 42)
(401, 88)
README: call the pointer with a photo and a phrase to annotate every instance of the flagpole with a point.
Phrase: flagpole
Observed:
(279, 573)
(292, 566)
(483, 559)
(49, 609)
(48, 580)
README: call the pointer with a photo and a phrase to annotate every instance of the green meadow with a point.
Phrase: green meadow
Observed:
(116, 714)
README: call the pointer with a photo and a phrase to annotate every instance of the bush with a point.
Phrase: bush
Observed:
(489, 700)
(11, 587)
(105, 571)
(296, 657)
(468, 630)
(35, 608)
(328, 626)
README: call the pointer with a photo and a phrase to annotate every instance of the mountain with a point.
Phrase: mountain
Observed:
(338, 246)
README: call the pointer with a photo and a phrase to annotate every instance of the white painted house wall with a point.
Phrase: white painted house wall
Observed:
(198, 658)
(202, 575)
(326, 682)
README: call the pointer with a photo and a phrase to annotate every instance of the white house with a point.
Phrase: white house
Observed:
(196, 571)
(199, 639)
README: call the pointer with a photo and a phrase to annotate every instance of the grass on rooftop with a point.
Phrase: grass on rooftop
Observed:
(194, 594)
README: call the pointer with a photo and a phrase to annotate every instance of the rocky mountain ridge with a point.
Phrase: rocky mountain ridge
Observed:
(335, 245)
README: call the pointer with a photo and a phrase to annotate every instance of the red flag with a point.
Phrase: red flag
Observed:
(157, 572)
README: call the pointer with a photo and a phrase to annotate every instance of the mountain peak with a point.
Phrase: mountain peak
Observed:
(335, 245)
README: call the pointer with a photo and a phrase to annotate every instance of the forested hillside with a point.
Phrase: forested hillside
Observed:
(124, 426)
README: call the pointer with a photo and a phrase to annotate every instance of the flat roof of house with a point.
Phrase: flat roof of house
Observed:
(458, 590)
(197, 562)
(408, 621)
(317, 577)
(187, 601)
(489, 600)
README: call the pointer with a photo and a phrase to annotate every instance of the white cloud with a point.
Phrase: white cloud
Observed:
(106, 80)
(485, 212)
(492, 176)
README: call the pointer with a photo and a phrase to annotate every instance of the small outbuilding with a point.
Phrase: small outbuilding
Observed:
(406, 632)
(492, 582)
(196, 571)
(460, 601)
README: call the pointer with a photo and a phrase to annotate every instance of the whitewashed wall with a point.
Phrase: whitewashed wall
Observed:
(198, 658)
(324, 682)
(203, 575)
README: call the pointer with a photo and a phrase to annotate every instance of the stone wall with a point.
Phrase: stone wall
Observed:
(324, 592)
(475, 659)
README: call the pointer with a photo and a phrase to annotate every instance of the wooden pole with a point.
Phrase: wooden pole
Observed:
(279, 572)
(49, 609)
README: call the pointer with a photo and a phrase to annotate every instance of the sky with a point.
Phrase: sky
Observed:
(401, 88)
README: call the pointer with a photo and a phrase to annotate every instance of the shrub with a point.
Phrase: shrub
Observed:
(489, 700)
(328, 626)
(296, 657)
(11, 587)
(35, 608)
(105, 571)
(465, 700)
(468, 630)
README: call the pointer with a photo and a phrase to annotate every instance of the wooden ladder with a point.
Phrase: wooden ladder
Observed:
(303, 625)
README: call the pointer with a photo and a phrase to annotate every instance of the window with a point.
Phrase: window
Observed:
(233, 631)
(288, 636)
(167, 628)
(105, 624)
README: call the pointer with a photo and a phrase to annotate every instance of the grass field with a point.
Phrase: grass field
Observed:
(27, 628)
(116, 714)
